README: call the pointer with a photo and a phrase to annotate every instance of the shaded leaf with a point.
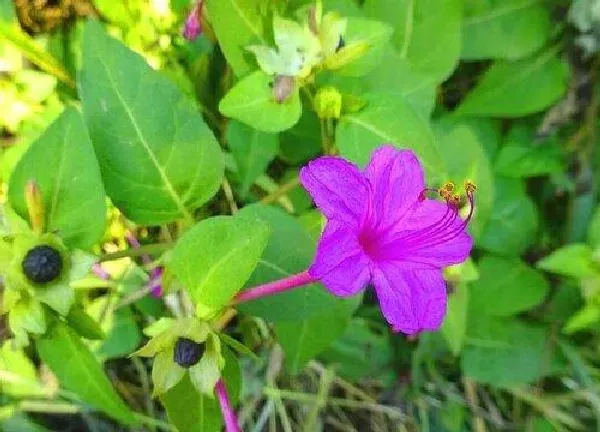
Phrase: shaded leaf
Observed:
(63, 164)
(158, 158)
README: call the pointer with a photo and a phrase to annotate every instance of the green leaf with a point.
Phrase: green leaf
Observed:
(289, 251)
(302, 341)
(158, 158)
(427, 32)
(575, 260)
(123, 335)
(375, 34)
(361, 352)
(521, 156)
(465, 159)
(513, 223)
(505, 352)
(216, 257)
(77, 371)
(251, 101)
(393, 75)
(19, 374)
(303, 141)
(63, 163)
(593, 234)
(587, 317)
(506, 287)
(237, 24)
(507, 29)
(517, 88)
(387, 120)
(84, 324)
(252, 150)
(454, 327)
(190, 411)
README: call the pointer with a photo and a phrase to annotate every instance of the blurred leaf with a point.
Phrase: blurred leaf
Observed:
(375, 34)
(12, 32)
(289, 251)
(506, 286)
(302, 341)
(507, 29)
(303, 141)
(20, 423)
(84, 324)
(387, 120)
(63, 163)
(513, 222)
(454, 327)
(77, 371)
(252, 150)
(190, 411)
(586, 317)
(19, 376)
(593, 234)
(504, 352)
(216, 257)
(123, 335)
(251, 101)
(158, 158)
(520, 156)
(575, 260)
(361, 352)
(427, 32)
(237, 24)
(465, 159)
(393, 76)
(517, 88)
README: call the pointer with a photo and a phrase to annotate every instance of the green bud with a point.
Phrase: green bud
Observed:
(328, 103)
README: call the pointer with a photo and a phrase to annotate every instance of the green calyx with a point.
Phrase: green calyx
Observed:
(38, 270)
(166, 347)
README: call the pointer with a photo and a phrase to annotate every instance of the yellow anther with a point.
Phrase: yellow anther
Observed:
(470, 187)
(449, 186)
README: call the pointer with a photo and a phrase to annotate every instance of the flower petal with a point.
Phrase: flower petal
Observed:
(397, 180)
(340, 263)
(411, 301)
(432, 236)
(337, 187)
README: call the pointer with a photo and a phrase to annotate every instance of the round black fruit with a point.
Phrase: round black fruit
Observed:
(42, 264)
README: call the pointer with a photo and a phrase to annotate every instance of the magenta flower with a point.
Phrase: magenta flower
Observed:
(383, 229)
(193, 25)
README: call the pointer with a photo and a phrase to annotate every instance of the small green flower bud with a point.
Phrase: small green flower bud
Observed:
(42, 264)
(328, 103)
(187, 352)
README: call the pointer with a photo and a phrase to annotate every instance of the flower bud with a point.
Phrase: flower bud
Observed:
(35, 206)
(328, 103)
(42, 264)
(187, 352)
(283, 86)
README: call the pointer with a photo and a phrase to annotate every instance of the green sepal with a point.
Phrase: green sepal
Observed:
(205, 374)
(26, 316)
(165, 372)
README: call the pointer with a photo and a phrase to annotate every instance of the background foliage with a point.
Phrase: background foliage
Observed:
(129, 128)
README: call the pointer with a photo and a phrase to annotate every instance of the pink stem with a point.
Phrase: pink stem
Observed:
(229, 417)
(276, 287)
(155, 282)
(100, 272)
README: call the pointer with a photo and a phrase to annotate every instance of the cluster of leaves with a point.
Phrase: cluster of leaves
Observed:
(125, 127)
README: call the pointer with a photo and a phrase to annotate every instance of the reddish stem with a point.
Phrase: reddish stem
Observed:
(276, 287)
(229, 417)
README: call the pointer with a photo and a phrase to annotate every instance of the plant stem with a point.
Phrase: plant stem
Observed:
(229, 417)
(131, 253)
(282, 190)
(276, 287)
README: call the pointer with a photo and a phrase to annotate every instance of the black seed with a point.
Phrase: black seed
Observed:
(42, 264)
(341, 44)
(187, 352)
